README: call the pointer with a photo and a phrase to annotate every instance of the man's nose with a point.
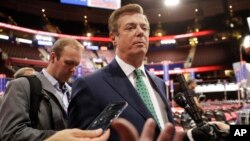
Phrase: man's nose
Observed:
(73, 69)
(139, 31)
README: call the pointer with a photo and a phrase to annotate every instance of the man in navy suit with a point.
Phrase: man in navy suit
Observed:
(129, 32)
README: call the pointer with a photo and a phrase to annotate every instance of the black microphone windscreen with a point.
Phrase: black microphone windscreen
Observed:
(180, 99)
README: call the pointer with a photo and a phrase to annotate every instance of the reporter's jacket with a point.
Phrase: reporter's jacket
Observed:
(14, 112)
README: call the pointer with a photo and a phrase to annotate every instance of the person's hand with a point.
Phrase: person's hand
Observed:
(79, 135)
(127, 131)
(222, 126)
(209, 131)
(169, 131)
(166, 134)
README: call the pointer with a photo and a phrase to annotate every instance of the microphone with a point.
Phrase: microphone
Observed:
(186, 101)
(204, 131)
(191, 109)
(180, 99)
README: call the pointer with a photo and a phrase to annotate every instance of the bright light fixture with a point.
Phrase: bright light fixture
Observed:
(89, 34)
(246, 42)
(22, 40)
(171, 2)
(248, 22)
(5, 37)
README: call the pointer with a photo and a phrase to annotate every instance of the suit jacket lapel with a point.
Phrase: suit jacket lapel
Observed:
(48, 87)
(160, 89)
(156, 85)
(121, 84)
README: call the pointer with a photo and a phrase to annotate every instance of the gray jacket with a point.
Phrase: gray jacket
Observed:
(14, 112)
(1, 99)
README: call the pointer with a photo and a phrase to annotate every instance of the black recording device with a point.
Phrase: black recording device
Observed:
(186, 101)
(105, 118)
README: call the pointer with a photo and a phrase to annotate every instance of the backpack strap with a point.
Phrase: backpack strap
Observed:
(36, 97)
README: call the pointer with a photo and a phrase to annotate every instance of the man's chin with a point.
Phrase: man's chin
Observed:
(66, 80)
(142, 51)
(139, 54)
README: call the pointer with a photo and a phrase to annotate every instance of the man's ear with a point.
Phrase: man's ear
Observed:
(112, 37)
(52, 57)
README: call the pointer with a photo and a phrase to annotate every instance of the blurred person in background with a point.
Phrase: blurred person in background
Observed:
(25, 71)
(192, 84)
(243, 115)
(20, 72)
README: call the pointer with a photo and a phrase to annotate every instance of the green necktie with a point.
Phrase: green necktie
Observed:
(144, 94)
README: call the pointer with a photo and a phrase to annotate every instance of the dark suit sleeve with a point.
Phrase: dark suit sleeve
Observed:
(83, 108)
(14, 114)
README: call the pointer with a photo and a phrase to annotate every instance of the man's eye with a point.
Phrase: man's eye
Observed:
(145, 28)
(129, 28)
(69, 63)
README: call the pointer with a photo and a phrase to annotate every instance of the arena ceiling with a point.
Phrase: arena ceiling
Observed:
(183, 12)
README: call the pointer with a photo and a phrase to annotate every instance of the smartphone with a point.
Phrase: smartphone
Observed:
(110, 112)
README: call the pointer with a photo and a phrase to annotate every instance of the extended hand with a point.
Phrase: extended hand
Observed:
(79, 135)
(127, 131)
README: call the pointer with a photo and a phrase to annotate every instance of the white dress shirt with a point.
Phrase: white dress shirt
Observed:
(64, 96)
(159, 106)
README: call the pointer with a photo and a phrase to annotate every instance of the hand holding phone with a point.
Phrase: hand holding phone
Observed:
(110, 112)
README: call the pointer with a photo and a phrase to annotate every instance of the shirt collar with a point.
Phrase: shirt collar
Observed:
(53, 81)
(127, 68)
(143, 70)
